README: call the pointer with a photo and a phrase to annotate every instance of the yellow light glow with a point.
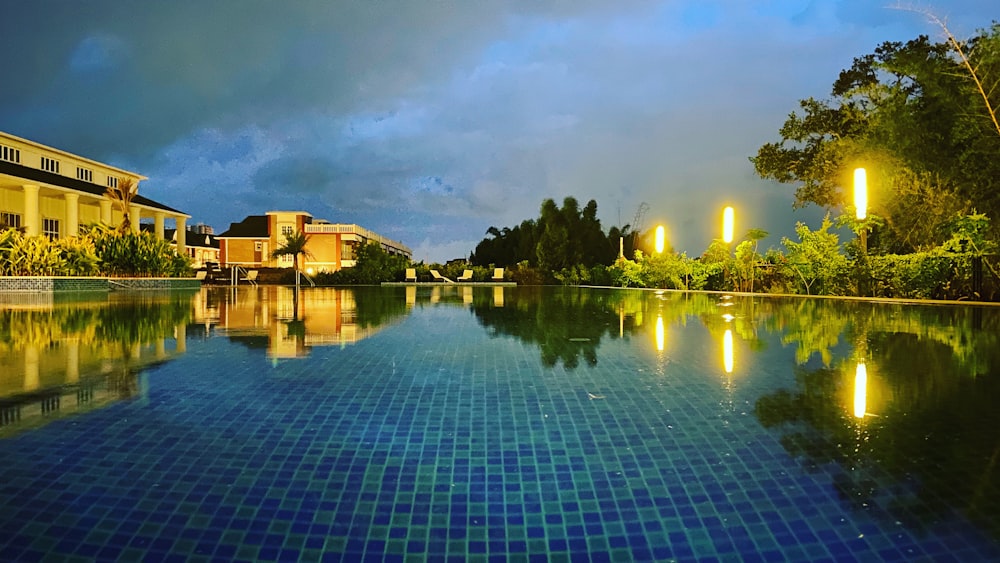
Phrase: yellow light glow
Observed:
(660, 236)
(727, 350)
(728, 224)
(860, 193)
(860, 391)
(310, 271)
(659, 333)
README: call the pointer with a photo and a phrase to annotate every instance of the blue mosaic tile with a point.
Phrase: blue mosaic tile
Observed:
(434, 439)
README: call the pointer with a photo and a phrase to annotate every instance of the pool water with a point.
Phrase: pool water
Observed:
(502, 424)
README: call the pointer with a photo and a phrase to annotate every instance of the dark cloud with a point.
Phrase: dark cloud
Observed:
(295, 176)
(432, 120)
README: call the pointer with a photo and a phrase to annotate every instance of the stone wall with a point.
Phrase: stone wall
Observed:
(45, 285)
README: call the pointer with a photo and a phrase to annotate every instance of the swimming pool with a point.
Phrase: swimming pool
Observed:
(486, 423)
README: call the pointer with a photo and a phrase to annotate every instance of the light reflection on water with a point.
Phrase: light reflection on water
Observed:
(892, 407)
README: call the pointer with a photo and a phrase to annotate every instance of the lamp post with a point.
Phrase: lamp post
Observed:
(728, 220)
(660, 238)
(861, 204)
(861, 214)
(728, 226)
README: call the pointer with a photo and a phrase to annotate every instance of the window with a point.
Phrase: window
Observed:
(12, 220)
(258, 245)
(346, 251)
(50, 228)
(84, 174)
(286, 230)
(10, 154)
(112, 182)
(50, 164)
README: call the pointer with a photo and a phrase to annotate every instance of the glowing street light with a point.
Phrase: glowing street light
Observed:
(660, 238)
(860, 194)
(728, 221)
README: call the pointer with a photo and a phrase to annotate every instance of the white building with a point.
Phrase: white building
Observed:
(52, 192)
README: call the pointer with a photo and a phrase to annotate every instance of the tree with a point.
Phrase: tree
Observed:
(121, 195)
(910, 113)
(374, 264)
(747, 259)
(507, 246)
(561, 238)
(817, 259)
(553, 249)
(294, 246)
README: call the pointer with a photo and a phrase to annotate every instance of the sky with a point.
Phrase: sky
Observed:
(428, 121)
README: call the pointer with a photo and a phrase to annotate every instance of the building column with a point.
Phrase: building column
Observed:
(72, 360)
(31, 367)
(158, 224)
(32, 221)
(133, 217)
(180, 335)
(72, 214)
(106, 211)
(181, 236)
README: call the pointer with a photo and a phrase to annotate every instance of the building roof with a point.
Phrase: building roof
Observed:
(28, 173)
(193, 239)
(47, 148)
(252, 226)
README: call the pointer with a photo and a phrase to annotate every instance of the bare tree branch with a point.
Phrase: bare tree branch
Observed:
(961, 53)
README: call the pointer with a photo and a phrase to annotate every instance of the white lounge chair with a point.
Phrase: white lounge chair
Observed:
(498, 274)
(411, 275)
(466, 276)
(439, 278)
(251, 277)
(200, 275)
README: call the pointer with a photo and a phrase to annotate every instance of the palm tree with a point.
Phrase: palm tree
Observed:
(295, 244)
(121, 195)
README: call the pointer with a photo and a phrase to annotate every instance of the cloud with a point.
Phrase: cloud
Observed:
(431, 121)
(97, 52)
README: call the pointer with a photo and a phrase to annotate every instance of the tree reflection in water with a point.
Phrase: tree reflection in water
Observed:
(929, 447)
(565, 323)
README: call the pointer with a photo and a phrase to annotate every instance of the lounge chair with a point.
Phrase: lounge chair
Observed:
(439, 278)
(466, 276)
(498, 274)
(252, 277)
(200, 275)
(411, 275)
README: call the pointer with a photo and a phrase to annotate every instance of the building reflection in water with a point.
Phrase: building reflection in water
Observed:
(289, 325)
(58, 357)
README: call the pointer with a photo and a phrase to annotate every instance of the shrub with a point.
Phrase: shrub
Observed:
(79, 256)
(922, 275)
(28, 256)
(524, 274)
(626, 273)
(136, 254)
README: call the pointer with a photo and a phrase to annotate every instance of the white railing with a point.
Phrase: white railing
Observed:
(336, 228)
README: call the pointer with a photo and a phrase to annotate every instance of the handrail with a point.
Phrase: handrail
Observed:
(238, 273)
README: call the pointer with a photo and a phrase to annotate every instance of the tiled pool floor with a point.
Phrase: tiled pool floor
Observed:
(435, 440)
